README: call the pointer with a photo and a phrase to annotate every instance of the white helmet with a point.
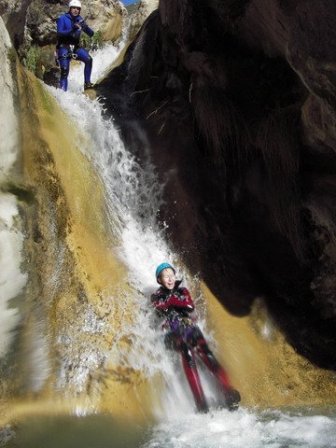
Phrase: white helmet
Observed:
(75, 4)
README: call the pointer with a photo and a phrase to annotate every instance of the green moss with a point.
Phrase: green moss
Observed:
(12, 55)
(32, 60)
(12, 58)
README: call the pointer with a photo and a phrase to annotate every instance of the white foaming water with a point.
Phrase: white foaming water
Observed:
(102, 60)
(12, 280)
(133, 197)
(244, 429)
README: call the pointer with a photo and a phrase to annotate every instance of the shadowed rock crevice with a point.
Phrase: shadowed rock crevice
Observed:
(237, 99)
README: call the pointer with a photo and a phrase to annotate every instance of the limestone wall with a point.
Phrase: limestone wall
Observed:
(70, 309)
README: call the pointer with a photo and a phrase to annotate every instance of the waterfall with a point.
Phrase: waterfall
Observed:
(133, 197)
(12, 280)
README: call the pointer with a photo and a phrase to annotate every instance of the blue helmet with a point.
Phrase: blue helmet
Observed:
(161, 267)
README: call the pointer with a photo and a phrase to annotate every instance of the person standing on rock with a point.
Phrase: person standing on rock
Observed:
(69, 28)
(174, 305)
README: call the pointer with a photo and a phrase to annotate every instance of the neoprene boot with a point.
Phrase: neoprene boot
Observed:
(88, 85)
(232, 398)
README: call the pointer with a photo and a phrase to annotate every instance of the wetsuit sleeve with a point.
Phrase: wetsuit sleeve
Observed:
(180, 301)
(183, 300)
(87, 30)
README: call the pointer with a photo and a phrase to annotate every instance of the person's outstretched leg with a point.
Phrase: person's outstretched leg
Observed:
(83, 55)
(64, 62)
(232, 396)
(190, 370)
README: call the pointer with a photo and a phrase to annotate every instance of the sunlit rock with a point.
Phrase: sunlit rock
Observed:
(142, 10)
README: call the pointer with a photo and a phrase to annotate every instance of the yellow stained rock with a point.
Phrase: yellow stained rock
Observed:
(262, 365)
(70, 206)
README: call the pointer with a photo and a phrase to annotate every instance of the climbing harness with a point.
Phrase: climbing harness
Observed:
(69, 55)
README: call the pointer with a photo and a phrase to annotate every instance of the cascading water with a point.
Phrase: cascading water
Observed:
(12, 280)
(133, 198)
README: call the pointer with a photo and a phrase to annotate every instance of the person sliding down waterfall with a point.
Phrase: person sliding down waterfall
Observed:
(69, 28)
(175, 305)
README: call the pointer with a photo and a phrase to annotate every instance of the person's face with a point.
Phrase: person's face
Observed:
(74, 11)
(167, 278)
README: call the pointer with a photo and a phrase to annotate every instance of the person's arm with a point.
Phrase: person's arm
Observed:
(158, 302)
(182, 301)
(87, 30)
(84, 27)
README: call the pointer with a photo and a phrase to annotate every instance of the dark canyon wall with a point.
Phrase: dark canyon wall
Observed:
(238, 98)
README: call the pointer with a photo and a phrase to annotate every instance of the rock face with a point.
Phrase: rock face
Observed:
(238, 101)
(14, 16)
(147, 6)
(138, 14)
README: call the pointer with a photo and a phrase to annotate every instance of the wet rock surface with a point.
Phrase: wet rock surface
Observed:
(237, 98)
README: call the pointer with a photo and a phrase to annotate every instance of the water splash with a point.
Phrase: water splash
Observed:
(12, 280)
(222, 429)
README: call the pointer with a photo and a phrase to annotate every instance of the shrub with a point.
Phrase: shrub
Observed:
(32, 60)
(92, 43)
